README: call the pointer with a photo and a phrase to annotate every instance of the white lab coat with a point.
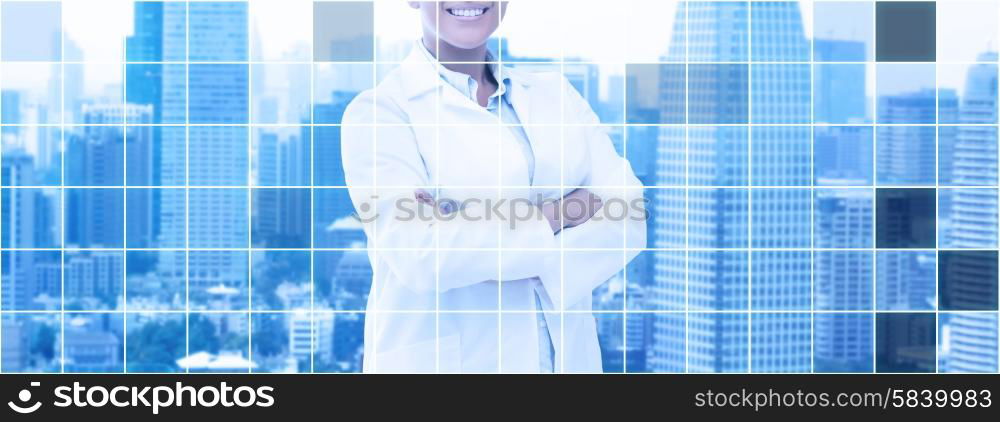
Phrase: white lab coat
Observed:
(435, 304)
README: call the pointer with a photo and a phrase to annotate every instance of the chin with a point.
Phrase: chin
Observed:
(466, 43)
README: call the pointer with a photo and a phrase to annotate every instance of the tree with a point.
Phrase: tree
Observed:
(202, 335)
(44, 341)
(156, 347)
(270, 336)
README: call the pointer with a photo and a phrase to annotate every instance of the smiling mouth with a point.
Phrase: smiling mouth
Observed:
(467, 12)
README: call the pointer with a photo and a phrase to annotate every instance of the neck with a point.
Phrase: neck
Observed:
(462, 60)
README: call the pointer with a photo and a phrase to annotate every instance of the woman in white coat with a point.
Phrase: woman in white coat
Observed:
(493, 203)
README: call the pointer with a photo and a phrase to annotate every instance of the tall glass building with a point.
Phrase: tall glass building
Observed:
(969, 340)
(724, 218)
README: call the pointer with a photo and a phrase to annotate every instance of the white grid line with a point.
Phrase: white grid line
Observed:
(62, 193)
(437, 192)
(313, 333)
(687, 194)
(374, 295)
(749, 164)
(812, 202)
(512, 311)
(874, 182)
(124, 248)
(187, 182)
(249, 201)
(512, 62)
(500, 159)
(937, 208)
(560, 364)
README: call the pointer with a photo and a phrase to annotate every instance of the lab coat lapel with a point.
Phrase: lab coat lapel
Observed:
(534, 110)
(521, 100)
(520, 97)
(418, 75)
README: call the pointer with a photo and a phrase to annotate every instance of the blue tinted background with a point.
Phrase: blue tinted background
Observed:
(173, 194)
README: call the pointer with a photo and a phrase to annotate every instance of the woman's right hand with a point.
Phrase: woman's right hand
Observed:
(572, 210)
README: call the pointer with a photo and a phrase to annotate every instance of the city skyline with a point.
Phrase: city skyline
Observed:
(183, 208)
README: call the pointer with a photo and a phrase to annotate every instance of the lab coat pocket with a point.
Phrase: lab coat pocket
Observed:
(422, 357)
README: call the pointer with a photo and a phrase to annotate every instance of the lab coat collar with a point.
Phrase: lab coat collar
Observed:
(421, 73)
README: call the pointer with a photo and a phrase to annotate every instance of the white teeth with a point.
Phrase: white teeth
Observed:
(467, 12)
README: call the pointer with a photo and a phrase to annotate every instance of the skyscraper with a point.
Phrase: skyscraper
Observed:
(972, 221)
(159, 38)
(218, 155)
(96, 157)
(905, 155)
(30, 220)
(281, 216)
(718, 211)
(843, 342)
(971, 341)
(10, 107)
(212, 154)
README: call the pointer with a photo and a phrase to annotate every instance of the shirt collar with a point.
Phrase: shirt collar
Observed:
(463, 82)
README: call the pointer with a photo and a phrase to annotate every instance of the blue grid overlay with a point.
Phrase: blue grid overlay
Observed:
(821, 179)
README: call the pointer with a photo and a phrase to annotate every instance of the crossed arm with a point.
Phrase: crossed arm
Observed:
(571, 210)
